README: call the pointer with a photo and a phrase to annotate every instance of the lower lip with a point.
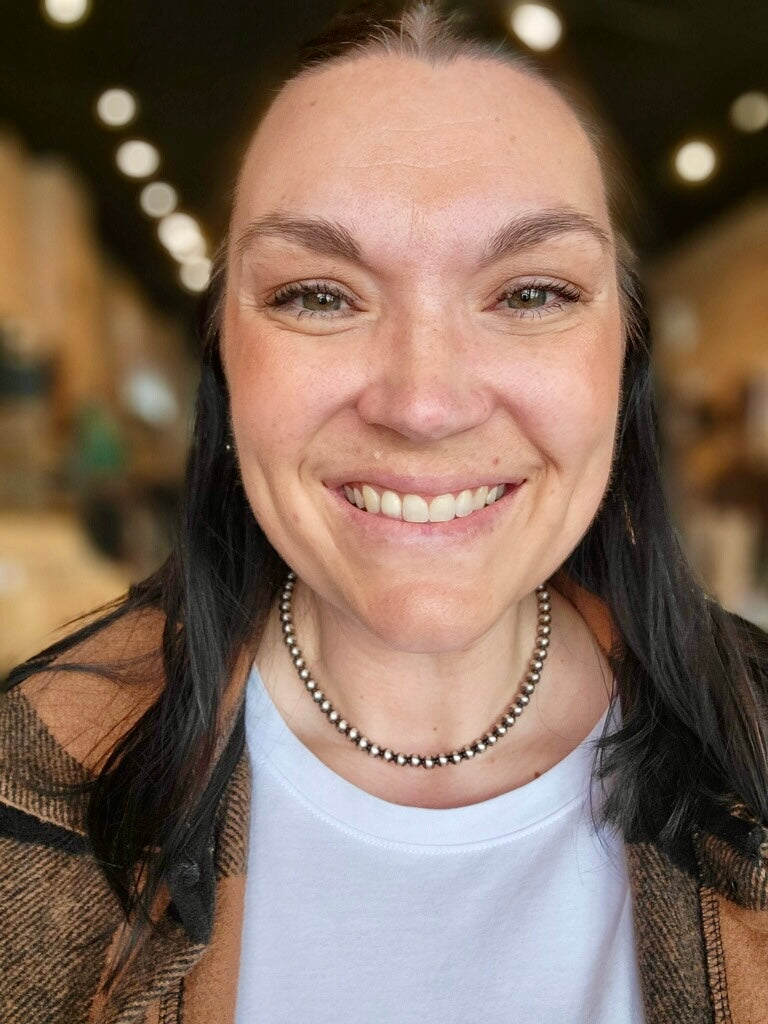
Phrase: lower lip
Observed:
(457, 529)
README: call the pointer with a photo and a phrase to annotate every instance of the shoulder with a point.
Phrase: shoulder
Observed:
(93, 692)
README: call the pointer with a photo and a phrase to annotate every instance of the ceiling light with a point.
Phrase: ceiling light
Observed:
(695, 161)
(158, 199)
(536, 25)
(116, 107)
(66, 12)
(749, 112)
(181, 236)
(195, 274)
(137, 159)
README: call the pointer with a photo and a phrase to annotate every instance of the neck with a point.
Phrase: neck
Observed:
(429, 703)
(425, 702)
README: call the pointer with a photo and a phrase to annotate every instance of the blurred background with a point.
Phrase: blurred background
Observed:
(121, 126)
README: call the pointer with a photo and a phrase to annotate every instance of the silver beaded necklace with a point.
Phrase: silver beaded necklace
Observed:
(496, 732)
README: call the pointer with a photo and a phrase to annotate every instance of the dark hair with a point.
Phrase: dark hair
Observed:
(691, 677)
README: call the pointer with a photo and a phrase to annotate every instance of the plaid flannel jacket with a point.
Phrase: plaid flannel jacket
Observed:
(701, 929)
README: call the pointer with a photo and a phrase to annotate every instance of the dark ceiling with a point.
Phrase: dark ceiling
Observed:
(659, 71)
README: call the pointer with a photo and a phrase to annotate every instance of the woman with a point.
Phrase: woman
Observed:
(426, 390)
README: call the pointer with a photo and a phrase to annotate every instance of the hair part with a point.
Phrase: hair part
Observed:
(691, 677)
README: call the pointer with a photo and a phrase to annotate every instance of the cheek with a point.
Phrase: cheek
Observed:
(571, 405)
(273, 406)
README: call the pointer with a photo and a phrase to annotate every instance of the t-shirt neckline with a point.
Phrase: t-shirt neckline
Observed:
(509, 815)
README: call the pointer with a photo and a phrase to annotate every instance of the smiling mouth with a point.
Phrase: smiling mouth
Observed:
(414, 508)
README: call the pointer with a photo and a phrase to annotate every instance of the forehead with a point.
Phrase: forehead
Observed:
(389, 140)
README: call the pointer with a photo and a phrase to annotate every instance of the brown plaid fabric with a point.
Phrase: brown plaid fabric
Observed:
(701, 931)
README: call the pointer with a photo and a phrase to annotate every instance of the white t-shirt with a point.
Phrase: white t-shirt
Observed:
(364, 911)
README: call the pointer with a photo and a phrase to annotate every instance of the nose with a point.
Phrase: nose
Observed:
(426, 380)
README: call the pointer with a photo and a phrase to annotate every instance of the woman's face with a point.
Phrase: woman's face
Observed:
(422, 304)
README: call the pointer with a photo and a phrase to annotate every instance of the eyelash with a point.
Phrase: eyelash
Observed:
(280, 299)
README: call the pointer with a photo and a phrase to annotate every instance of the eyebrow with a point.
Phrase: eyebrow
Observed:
(523, 231)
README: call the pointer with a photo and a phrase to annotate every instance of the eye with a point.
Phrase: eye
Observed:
(315, 298)
(540, 298)
(323, 299)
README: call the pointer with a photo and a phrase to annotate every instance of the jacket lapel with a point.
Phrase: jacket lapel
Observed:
(668, 938)
(189, 968)
(200, 912)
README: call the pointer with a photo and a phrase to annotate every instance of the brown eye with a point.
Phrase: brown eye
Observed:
(315, 298)
(318, 302)
(527, 298)
(540, 298)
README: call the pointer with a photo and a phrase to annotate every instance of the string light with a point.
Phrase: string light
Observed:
(749, 112)
(537, 25)
(195, 274)
(137, 158)
(181, 236)
(116, 107)
(158, 199)
(695, 161)
(66, 12)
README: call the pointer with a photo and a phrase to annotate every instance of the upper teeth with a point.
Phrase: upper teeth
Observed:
(415, 509)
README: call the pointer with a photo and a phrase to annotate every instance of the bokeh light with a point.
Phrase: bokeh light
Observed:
(66, 12)
(158, 199)
(181, 236)
(137, 158)
(537, 25)
(148, 395)
(749, 112)
(195, 274)
(116, 107)
(695, 161)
